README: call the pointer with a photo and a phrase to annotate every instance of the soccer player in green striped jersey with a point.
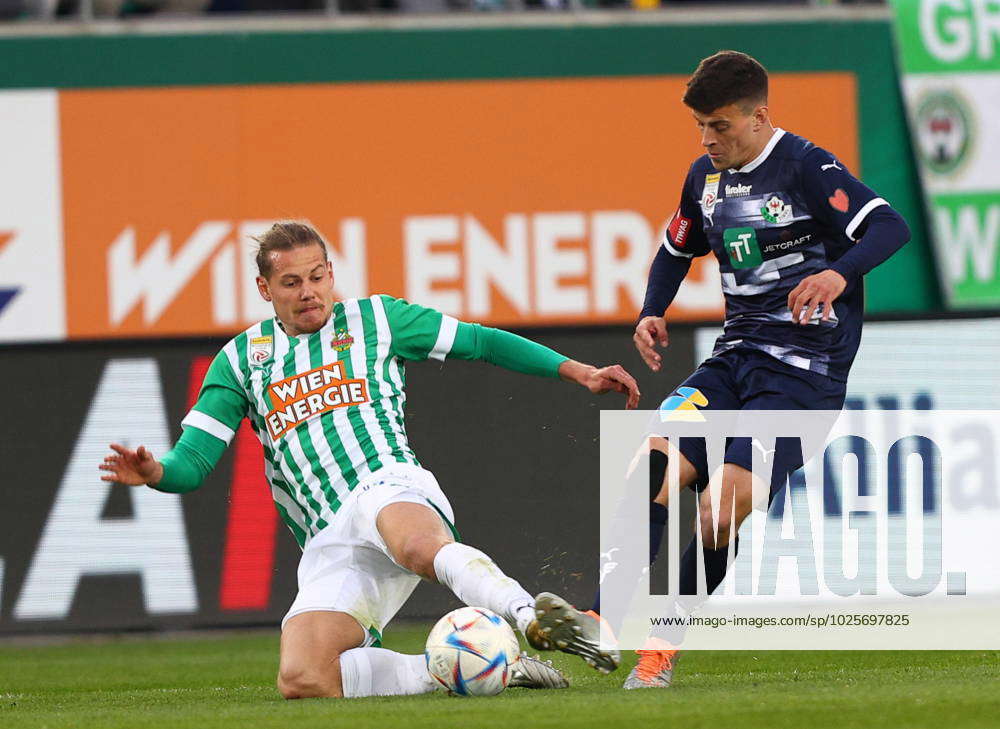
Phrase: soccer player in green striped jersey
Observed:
(323, 385)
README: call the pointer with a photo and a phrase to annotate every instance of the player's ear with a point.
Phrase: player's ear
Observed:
(262, 287)
(760, 116)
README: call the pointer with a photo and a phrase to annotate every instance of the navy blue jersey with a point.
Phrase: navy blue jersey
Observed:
(788, 214)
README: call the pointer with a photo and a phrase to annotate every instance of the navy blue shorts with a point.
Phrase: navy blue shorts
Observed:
(748, 379)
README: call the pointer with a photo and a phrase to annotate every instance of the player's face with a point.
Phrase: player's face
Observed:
(731, 135)
(300, 288)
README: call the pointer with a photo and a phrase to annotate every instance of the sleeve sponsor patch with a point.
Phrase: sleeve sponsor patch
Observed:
(678, 229)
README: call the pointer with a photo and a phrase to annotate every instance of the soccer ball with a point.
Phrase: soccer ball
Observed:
(471, 651)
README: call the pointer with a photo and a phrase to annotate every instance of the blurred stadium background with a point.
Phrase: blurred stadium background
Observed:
(510, 167)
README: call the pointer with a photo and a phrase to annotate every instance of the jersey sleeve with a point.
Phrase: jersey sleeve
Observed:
(419, 332)
(222, 403)
(834, 195)
(506, 349)
(207, 429)
(685, 237)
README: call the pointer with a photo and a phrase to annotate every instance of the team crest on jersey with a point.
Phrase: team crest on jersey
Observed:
(710, 196)
(776, 210)
(342, 340)
(261, 350)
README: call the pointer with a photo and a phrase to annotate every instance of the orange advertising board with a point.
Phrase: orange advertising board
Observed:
(507, 202)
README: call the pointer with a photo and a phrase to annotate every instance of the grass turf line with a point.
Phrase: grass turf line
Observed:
(228, 681)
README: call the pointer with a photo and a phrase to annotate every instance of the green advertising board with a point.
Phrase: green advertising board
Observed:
(950, 63)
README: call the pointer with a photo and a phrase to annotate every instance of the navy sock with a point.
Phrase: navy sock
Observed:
(716, 564)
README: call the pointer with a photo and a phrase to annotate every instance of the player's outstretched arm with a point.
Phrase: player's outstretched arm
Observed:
(182, 469)
(208, 429)
(514, 352)
(613, 378)
(420, 333)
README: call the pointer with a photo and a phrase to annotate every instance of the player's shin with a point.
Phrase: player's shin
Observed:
(717, 562)
(381, 672)
(478, 582)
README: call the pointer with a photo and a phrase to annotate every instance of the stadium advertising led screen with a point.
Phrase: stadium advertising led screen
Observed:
(78, 553)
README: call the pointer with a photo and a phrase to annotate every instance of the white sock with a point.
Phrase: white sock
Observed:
(478, 582)
(380, 672)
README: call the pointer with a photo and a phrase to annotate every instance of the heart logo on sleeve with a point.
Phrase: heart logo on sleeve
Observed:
(839, 201)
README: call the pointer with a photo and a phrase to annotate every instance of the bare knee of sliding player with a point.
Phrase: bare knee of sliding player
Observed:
(311, 644)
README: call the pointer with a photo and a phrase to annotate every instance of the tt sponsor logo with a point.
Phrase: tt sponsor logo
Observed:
(742, 247)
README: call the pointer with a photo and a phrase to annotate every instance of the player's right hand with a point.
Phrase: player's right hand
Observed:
(131, 467)
(650, 332)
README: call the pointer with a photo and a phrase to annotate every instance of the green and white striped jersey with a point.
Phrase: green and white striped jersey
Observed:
(328, 406)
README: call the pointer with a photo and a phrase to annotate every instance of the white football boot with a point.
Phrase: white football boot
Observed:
(534, 673)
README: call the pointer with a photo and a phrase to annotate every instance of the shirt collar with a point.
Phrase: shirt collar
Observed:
(279, 325)
(759, 159)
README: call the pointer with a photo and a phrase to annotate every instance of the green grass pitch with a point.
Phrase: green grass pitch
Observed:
(227, 680)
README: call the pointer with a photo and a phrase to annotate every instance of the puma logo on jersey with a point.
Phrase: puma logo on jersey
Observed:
(824, 168)
(298, 398)
(760, 446)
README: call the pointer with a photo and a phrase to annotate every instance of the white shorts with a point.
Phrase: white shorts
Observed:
(346, 567)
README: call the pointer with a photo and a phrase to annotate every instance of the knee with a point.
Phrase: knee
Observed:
(417, 554)
(300, 682)
(714, 536)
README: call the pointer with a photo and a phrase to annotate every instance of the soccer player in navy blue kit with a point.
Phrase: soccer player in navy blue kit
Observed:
(794, 233)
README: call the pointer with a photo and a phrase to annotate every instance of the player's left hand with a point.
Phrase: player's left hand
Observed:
(820, 288)
(613, 378)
